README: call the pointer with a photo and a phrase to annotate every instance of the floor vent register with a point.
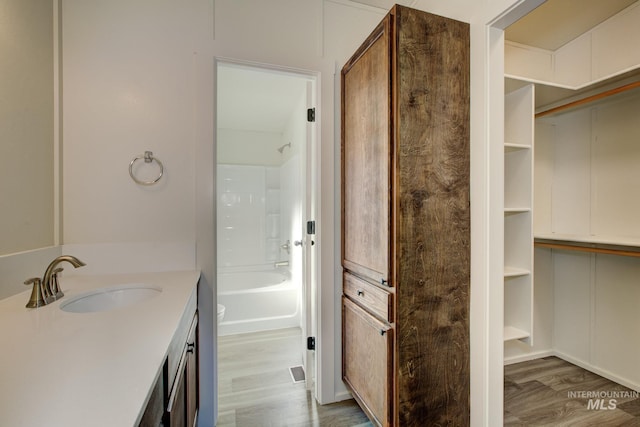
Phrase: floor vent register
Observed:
(297, 374)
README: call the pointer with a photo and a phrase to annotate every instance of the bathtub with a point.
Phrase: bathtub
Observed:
(257, 301)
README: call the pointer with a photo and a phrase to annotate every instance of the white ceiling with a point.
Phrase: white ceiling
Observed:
(257, 99)
(557, 22)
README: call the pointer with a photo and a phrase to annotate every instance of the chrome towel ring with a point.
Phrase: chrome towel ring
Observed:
(148, 158)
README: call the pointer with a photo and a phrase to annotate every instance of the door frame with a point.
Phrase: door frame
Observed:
(492, 402)
(311, 163)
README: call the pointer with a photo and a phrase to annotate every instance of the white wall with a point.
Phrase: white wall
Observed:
(139, 76)
(27, 132)
(586, 176)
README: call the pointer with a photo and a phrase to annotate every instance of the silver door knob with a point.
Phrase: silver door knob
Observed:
(297, 242)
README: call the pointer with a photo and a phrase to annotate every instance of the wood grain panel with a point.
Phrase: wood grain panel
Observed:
(366, 159)
(371, 297)
(433, 227)
(367, 346)
(406, 213)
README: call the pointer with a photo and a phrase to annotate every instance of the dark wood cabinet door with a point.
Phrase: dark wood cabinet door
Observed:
(366, 158)
(192, 375)
(177, 412)
(367, 361)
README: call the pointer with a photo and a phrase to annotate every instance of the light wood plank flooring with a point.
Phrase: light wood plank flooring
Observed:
(256, 389)
(552, 392)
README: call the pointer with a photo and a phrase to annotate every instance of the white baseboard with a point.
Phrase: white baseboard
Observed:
(602, 372)
(581, 363)
(343, 395)
(528, 356)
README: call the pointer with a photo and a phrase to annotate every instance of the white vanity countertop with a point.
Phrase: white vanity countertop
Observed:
(87, 369)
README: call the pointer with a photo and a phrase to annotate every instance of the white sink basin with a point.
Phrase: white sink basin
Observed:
(111, 298)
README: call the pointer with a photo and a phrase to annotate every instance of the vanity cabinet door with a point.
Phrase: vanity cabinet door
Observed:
(177, 403)
(367, 361)
(182, 407)
(191, 374)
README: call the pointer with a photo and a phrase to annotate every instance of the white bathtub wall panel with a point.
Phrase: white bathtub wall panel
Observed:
(241, 179)
(273, 225)
(572, 278)
(273, 178)
(616, 176)
(241, 215)
(291, 206)
(616, 333)
(572, 175)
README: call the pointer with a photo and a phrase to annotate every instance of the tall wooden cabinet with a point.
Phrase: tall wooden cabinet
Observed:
(405, 221)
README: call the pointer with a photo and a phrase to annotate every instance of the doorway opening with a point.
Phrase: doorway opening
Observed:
(561, 85)
(266, 206)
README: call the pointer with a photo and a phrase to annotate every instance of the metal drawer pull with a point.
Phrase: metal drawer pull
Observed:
(383, 281)
(360, 293)
(383, 331)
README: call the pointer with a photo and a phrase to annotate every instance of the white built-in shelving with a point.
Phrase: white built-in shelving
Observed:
(518, 215)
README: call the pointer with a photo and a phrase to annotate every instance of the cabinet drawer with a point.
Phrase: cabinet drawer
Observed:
(375, 299)
(367, 361)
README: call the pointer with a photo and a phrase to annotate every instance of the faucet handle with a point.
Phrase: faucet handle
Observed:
(55, 286)
(37, 298)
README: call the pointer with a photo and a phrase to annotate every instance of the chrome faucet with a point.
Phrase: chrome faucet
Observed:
(48, 290)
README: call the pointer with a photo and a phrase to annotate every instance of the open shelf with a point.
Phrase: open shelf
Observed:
(518, 215)
(512, 333)
(508, 147)
(516, 210)
(515, 271)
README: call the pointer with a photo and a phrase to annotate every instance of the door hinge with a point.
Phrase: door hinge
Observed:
(311, 343)
(311, 114)
(311, 227)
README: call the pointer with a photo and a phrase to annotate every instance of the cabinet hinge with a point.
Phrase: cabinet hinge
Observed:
(311, 343)
(311, 114)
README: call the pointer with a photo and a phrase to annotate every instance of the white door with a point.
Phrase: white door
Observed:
(309, 176)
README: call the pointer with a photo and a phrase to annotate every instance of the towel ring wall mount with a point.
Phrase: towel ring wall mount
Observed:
(148, 158)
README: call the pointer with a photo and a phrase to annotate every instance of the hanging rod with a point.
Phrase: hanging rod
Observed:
(598, 248)
(588, 99)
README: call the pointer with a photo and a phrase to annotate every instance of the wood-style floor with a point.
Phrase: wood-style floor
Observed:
(256, 388)
(553, 392)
